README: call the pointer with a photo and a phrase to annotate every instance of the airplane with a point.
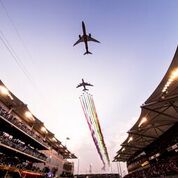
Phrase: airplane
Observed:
(85, 38)
(84, 84)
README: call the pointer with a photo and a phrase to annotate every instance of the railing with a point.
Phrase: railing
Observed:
(19, 145)
(11, 118)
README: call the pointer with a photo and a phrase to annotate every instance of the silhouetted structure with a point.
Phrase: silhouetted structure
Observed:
(97, 176)
(151, 147)
(27, 147)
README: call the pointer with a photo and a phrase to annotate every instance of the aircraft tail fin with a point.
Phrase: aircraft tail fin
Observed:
(87, 52)
(85, 89)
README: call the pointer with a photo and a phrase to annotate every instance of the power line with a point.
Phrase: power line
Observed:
(14, 54)
(11, 50)
(15, 57)
(15, 28)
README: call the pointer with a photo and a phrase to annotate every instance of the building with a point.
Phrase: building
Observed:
(26, 145)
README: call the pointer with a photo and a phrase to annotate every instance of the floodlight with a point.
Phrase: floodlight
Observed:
(144, 119)
(5, 91)
(43, 129)
(130, 139)
(123, 149)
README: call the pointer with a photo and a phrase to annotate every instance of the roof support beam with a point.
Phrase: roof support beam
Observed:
(160, 130)
(125, 154)
(121, 156)
(161, 113)
(160, 101)
(131, 146)
(119, 160)
(153, 126)
(166, 105)
(156, 131)
(141, 135)
(174, 106)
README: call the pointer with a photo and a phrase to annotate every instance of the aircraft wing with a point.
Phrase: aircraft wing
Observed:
(79, 85)
(83, 84)
(79, 41)
(88, 84)
(89, 38)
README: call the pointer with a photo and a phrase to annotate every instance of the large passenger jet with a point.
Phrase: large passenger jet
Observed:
(85, 38)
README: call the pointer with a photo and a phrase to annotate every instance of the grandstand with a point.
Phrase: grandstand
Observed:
(27, 147)
(97, 176)
(151, 148)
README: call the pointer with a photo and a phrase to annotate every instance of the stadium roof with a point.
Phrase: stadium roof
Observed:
(21, 109)
(158, 114)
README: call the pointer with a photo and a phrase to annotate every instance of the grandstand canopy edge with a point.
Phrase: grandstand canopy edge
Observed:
(158, 114)
(17, 106)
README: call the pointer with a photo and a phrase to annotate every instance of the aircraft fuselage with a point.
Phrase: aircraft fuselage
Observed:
(85, 36)
(84, 29)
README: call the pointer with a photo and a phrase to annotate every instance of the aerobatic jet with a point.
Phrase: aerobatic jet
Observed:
(84, 84)
(85, 38)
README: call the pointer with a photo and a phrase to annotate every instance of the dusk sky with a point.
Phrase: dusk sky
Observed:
(138, 40)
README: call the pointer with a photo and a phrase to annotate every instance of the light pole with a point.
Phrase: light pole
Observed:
(120, 169)
(111, 168)
(67, 138)
(78, 167)
(90, 168)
